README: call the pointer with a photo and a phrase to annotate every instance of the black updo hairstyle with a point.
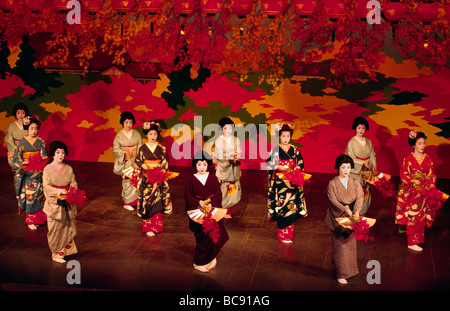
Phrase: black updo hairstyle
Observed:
(412, 141)
(32, 120)
(224, 121)
(153, 126)
(343, 159)
(126, 115)
(360, 120)
(55, 145)
(201, 156)
(286, 128)
(20, 106)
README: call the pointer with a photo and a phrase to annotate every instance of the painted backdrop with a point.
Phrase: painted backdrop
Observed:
(84, 111)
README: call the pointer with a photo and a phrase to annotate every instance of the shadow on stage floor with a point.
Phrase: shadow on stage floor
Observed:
(115, 255)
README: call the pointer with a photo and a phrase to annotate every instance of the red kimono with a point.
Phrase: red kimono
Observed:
(413, 211)
(206, 250)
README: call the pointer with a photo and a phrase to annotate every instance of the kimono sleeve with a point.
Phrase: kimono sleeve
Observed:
(117, 149)
(18, 155)
(73, 182)
(430, 179)
(189, 195)
(217, 199)
(332, 195)
(9, 140)
(405, 174)
(140, 157)
(299, 159)
(49, 190)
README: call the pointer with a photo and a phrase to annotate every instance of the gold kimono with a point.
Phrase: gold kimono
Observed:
(60, 220)
(125, 149)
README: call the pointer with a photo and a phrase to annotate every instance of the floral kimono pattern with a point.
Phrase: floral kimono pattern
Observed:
(413, 210)
(286, 202)
(153, 198)
(29, 189)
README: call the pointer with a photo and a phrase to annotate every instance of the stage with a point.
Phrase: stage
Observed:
(113, 253)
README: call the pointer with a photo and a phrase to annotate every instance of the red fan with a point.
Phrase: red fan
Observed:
(35, 163)
(76, 196)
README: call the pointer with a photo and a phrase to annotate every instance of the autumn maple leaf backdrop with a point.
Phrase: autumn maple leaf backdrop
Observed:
(282, 61)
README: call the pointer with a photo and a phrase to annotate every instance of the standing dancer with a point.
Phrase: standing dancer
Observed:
(16, 132)
(125, 146)
(154, 197)
(29, 192)
(417, 176)
(346, 199)
(361, 150)
(286, 202)
(58, 177)
(227, 151)
(203, 205)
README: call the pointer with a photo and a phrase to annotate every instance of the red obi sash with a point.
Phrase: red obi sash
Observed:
(290, 163)
(29, 154)
(363, 159)
(61, 187)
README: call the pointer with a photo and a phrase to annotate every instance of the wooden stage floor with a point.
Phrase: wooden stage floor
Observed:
(115, 255)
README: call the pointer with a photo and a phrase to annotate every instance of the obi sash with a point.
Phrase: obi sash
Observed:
(290, 163)
(131, 150)
(28, 154)
(61, 187)
(363, 159)
(152, 163)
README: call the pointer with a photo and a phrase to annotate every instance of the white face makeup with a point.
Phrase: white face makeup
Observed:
(127, 125)
(420, 145)
(285, 137)
(33, 130)
(360, 130)
(152, 136)
(227, 130)
(344, 170)
(202, 167)
(58, 158)
(20, 114)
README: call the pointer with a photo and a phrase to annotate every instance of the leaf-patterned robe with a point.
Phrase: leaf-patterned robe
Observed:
(153, 198)
(29, 191)
(285, 203)
(412, 210)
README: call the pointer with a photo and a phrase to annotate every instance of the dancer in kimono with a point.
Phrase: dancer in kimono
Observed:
(29, 192)
(58, 177)
(16, 132)
(361, 150)
(203, 195)
(286, 202)
(125, 146)
(417, 177)
(227, 151)
(346, 198)
(153, 198)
